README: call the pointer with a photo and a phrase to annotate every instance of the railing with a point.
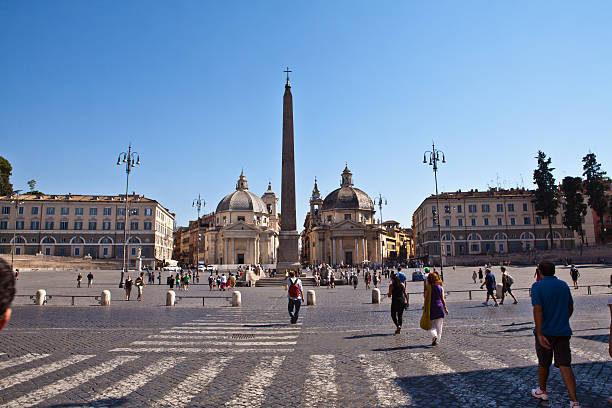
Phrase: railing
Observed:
(228, 298)
(72, 297)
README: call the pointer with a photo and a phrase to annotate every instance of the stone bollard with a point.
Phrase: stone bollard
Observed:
(170, 298)
(376, 295)
(311, 298)
(41, 297)
(236, 299)
(498, 290)
(105, 298)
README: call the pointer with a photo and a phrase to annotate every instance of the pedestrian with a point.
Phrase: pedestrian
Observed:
(575, 275)
(399, 300)
(7, 292)
(186, 281)
(490, 283)
(128, 287)
(480, 274)
(89, 279)
(210, 282)
(139, 285)
(170, 281)
(367, 280)
(223, 282)
(507, 282)
(536, 275)
(295, 295)
(159, 277)
(79, 279)
(177, 281)
(552, 307)
(437, 307)
(355, 281)
(474, 276)
(375, 280)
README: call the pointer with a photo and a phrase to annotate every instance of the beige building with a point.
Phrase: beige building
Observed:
(243, 229)
(399, 244)
(341, 228)
(81, 225)
(189, 241)
(486, 222)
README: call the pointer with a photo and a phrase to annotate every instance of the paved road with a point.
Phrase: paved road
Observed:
(342, 354)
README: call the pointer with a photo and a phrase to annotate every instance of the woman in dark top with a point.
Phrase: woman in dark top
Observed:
(128, 287)
(399, 300)
(437, 307)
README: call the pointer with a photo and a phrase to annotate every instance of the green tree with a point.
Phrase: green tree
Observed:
(595, 189)
(575, 207)
(32, 184)
(547, 193)
(6, 171)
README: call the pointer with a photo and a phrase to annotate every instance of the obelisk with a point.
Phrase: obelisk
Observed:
(288, 258)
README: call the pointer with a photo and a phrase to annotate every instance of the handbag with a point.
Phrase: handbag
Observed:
(425, 320)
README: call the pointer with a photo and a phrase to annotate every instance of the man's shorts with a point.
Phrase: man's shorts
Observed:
(507, 289)
(490, 291)
(559, 348)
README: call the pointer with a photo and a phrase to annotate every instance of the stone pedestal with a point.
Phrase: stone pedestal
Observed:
(498, 290)
(376, 296)
(105, 298)
(311, 298)
(236, 299)
(41, 297)
(170, 298)
(288, 257)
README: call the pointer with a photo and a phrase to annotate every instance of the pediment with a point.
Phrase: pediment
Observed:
(347, 225)
(241, 226)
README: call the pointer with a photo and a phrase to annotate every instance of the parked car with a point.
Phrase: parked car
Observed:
(418, 275)
(172, 268)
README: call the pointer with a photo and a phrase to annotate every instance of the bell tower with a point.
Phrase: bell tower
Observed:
(315, 206)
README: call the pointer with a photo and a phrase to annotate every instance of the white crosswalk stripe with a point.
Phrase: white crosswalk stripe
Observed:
(182, 394)
(525, 353)
(484, 360)
(589, 355)
(250, 325)
(218, 337)
(40, 371)
(228, 331)
(198, 350)
(42, 394)
(213, 343)
(382, 377)
(130, 384)
(320, 388)
(238, 328)
(253, 391)
(26, 358)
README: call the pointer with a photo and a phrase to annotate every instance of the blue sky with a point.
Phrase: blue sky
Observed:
(197, 88)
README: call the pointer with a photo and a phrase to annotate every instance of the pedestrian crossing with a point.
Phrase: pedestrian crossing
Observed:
(176, 380)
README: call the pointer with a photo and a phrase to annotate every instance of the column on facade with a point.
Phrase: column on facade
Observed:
(233, 254)
(333, 240)
(248, 254)
(225, 250)
(356, 255)
(363, 249)
(339, 250)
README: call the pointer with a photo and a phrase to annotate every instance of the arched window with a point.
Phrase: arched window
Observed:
(134, 240)
(77, 241)
(105, 240)
(448, 237)
(474, 237)
(19, 240)
(500, 236)
(48, 240)
(527, 236)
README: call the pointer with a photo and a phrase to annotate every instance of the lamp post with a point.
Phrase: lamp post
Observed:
(127, 158)
(434, 158)
(380, 201)
(198, 203)
(16, 202)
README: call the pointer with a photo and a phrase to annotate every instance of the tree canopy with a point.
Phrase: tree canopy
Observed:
(546, 193)
(6, 171)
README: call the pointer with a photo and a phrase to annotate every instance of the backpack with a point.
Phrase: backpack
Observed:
(294, 289)
(510, 280)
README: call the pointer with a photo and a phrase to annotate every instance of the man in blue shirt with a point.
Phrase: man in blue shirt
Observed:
(490, 282)
(552, 307)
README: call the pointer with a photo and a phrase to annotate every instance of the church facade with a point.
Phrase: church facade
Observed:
(341, 229)
(245, 228)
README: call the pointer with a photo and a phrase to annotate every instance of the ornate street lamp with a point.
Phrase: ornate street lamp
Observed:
(131, 159)
(198, 204)
(434, 158)
(380, 201)
(16, 203)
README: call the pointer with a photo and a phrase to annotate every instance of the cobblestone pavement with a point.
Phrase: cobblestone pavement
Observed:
(341, 354)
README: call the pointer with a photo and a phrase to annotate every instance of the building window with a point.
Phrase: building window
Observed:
(92, 225)
(106, 225)
(473, 222)
(475, 247)
(133, 251)
(472, 208)
(459, 208)
(447, 209)
(50, 210)
(501, 247)
(65, 211)
(34, 225)
(48, 225)
(34, 210)
(538, 221)
(148, 211)
(121, 211)
(63, 225)
(447, 222)
(108, 211)
(486, 221)
(486, 208)
(512, 221)
(500, 221)
(347, 216)
(148, 225)
(6, 210)
(77, 251)
(19, 225)
(78, 211)
(329, 218)
(525, 207)
(526, 220)
(78, 225)
(3, 224)
(500, 208)
(134, 211)
(511, 207)
(134, 225)
(240, 218)
(93, 211)
(105, 251)
(20, 211)
(460, 222)
(120, 225)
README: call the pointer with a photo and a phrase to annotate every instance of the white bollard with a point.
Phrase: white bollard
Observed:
(41, 297)
(498, 290)
(170, 298)
(376, 295)
(105, 298)
(311, 298)
(236, 299)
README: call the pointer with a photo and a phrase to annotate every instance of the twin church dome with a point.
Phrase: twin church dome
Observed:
(243, 200)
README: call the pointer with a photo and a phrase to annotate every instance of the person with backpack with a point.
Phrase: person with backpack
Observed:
(507, 282)
(575, 275)
(399, 300)
(139, 285)
(354, 280)
(295, 295)
(490, 282)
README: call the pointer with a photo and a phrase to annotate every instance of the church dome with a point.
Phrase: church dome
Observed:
(241, 199)
(347, 197)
